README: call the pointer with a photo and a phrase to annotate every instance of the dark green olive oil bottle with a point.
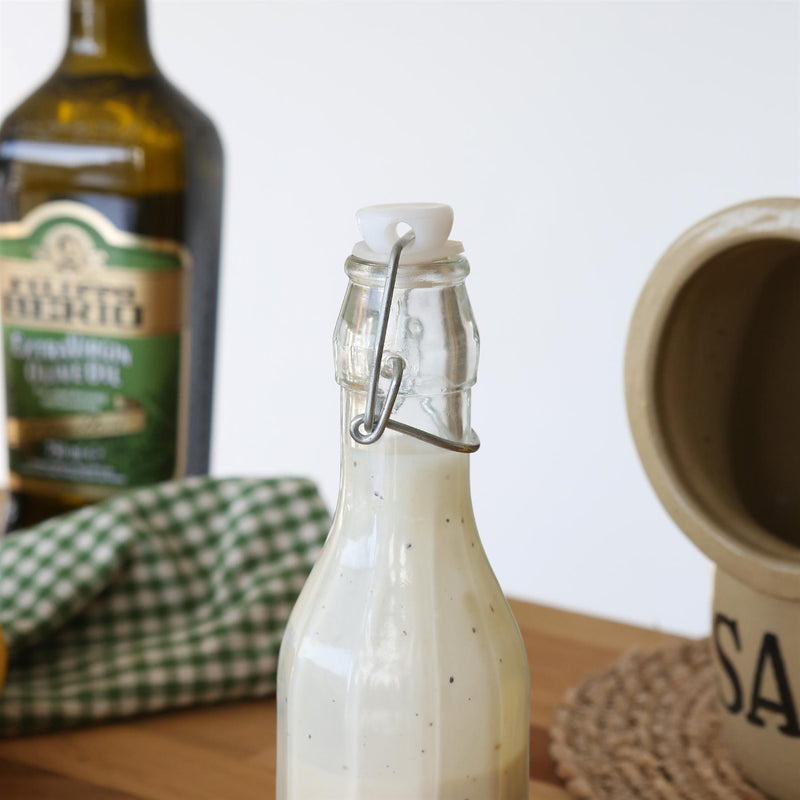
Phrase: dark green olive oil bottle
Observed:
(110, 206)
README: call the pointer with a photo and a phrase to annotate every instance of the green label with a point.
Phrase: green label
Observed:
(93, 322)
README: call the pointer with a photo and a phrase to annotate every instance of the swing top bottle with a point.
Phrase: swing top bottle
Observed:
(402, 673)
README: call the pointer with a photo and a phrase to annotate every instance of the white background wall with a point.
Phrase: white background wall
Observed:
(574, 140)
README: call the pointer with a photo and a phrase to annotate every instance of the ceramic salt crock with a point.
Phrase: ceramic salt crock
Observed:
(712, 380)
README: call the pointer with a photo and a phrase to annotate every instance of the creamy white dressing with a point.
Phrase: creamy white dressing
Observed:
(402, 674)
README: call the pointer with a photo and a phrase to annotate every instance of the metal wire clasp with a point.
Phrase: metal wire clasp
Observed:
(368, 427)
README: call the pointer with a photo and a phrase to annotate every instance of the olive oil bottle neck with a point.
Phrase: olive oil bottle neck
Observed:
(108, 37)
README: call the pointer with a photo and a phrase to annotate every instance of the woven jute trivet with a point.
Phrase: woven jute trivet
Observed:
(649, 728)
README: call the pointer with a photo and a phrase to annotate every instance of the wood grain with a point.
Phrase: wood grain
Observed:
(228, 752)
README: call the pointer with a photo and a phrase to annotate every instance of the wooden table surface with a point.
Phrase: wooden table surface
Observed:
(228, 752)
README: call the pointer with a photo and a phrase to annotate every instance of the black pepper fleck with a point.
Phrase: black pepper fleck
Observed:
(451, 679)
(473, 630)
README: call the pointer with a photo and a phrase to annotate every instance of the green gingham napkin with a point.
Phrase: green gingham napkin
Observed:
(161, 598)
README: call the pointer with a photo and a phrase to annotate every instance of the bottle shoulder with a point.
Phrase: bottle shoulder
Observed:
(145, 112)
(108, 134)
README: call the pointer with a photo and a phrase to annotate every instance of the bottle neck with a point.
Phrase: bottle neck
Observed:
(431, 328)
(108, 37)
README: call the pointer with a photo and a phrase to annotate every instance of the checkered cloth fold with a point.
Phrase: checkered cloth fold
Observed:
(165, 597)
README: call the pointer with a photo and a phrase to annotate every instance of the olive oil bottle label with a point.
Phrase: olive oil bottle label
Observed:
(94, 338)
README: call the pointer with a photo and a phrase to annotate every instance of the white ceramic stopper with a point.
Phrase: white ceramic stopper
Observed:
(381, 226)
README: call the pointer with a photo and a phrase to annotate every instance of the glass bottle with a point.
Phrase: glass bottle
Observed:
(110, 206)
(402, 673)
